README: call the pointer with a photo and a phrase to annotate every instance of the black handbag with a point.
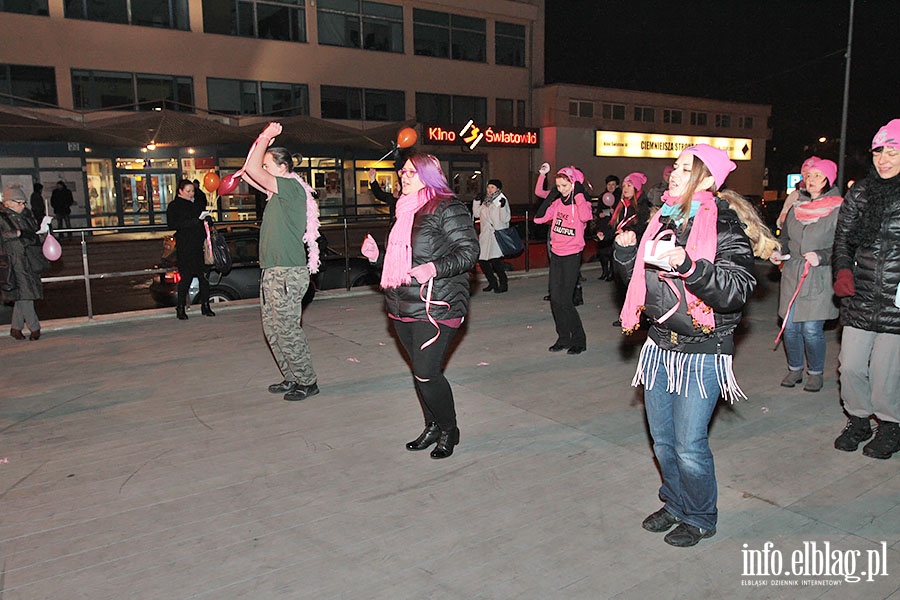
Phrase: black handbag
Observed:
(221, 253)
(509, 241)
(7, 275)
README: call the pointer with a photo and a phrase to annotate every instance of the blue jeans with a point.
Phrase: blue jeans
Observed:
(804, 339)
(679, 424)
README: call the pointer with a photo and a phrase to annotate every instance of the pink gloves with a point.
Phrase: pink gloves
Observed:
(843, 284)
(423, 273)
(370, 248)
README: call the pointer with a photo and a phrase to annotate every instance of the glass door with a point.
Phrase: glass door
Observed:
(145, 197)
(466, 179)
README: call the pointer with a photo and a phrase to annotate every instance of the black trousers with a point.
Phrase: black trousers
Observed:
(433, 389)
(188, 269)
(493, 271)
(564, 272)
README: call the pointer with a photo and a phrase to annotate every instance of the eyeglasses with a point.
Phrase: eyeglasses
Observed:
(16, 201)
(410, 172)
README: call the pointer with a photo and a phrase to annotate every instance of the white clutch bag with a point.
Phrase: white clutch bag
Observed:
(654, 249)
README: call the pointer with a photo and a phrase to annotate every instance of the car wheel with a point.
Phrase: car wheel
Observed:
(219, 296)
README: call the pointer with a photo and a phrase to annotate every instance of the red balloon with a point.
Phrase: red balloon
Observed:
(406, 137)
(228, 184)
(52, 250)
(211, 182)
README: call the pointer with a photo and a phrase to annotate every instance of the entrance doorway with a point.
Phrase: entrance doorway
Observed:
(145, 197)
(466, 179)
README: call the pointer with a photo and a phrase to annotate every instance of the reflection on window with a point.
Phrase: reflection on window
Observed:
(449, 36)
(25, 7)
(353, 103)
(360, 24)
(23, 85)
(270, 19)
(510, 44)
(168, 14)
(453, 110)
(240, 97)
(93, 90)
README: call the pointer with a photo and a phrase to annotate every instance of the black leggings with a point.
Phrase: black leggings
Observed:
(433, 389)
(188, 272)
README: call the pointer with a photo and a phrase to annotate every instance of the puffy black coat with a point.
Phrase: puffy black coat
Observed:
(442, 233)
(724, 285)
(875, 267)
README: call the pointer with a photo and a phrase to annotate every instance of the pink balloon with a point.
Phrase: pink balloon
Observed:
(608, 199)
(228, 184)
(52, 249)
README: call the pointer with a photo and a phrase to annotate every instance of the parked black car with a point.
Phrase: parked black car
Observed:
(243, 280)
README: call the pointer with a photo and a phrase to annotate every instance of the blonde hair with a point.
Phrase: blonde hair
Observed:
(761, 238)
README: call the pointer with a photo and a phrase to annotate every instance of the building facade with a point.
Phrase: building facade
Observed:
(358, 64)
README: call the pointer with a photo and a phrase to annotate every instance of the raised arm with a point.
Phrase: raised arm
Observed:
(254, 167)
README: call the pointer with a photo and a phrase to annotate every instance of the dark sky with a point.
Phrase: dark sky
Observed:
(787, 53)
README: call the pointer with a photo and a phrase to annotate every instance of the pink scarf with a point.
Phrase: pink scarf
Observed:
(810, 212)
(398, 255)
(701, 244)
(311, 236)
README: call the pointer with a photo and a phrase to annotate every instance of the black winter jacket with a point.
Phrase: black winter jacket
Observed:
(724, 285)
(442, 233)
(875, 267)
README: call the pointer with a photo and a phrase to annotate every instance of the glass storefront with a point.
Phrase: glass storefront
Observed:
(101, 192)
(146, 186)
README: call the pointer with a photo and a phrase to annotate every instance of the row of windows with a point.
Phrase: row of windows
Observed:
(92, 90)
(346, 23)
(647, 114)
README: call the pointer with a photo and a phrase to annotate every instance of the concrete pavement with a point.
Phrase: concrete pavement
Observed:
(142, 457)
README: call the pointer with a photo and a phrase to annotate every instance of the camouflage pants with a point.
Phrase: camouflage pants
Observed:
(280, 294)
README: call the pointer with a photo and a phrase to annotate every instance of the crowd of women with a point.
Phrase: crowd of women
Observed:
(688, 267)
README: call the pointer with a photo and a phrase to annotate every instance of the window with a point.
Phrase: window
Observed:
(454, 110)
(353, 103)
(745, 122)
(92, 90)
(271, 19)
(505, 115)
(723, 120)
(23, 85)
(672, 117)
(615, 112)
(168, 14)
(239, 97)
(509, 45)
(581, 108)
(449, 36)
(520, 113)
(698, 118)
(26, 7)
(645, 114)
(361, 24)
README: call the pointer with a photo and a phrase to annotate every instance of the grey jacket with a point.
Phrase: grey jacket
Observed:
(815, 301)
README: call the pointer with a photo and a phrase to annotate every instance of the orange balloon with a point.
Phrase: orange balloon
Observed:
(211, 182)
(406, 137)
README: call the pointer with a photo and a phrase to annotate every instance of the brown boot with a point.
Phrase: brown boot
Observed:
(35, 335)
(17, 334)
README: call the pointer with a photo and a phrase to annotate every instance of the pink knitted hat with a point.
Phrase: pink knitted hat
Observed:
(807, 164)
(716, 161)
(572, 174)
(826, 167)
(889, 135)
(637, 180)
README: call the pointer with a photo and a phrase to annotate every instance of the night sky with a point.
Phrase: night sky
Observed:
(787, 53)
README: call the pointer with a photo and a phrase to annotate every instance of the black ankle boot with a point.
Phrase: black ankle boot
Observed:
(428, 437)
(206, 311)
(180, 313)
(446, 443)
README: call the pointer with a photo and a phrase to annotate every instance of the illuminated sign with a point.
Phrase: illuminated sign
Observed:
(792, 180)
(657, 145)
(472, 135)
